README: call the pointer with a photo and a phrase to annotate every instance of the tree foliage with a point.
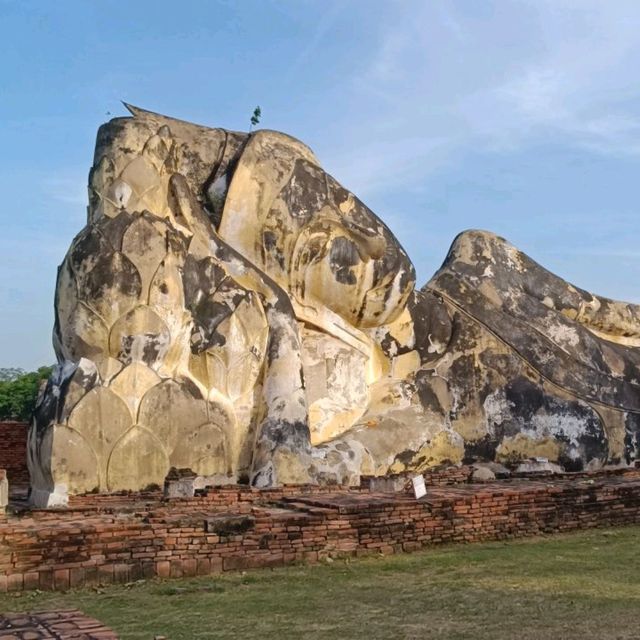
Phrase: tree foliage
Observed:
(10, 373)
(255, 118)
(19, 392)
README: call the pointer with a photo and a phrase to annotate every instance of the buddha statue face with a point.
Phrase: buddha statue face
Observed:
(363, 278)
(312, 236)
(282, 211)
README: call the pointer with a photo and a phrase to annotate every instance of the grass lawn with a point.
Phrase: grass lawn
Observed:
(584, 586)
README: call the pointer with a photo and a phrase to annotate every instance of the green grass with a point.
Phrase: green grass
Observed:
(582, 586)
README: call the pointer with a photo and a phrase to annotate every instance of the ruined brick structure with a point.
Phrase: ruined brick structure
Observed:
(103, 539)
(13, 452)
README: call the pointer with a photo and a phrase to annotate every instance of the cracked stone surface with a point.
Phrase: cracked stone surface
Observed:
(231, 309)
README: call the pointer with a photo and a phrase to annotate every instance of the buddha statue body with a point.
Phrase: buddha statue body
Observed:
(231, 309)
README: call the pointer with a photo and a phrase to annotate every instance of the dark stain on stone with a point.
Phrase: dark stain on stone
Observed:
(229, 525)
(342, 257)
(632, 437)
(428, 398)
(152, 347)
(306, 191)
(113, 229)
(405, 457)
(293, 435)
(526, 399)
(431, 325)
(480, 450)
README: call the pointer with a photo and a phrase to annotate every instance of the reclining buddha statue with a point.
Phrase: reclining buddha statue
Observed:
(231, 309)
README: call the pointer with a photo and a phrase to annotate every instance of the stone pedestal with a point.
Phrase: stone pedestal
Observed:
(4, 491)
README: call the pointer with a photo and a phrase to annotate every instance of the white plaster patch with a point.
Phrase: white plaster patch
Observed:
(444, 364)
(563, 334)
(142, 343)
(218, 189)
(514, 258)
(567, 426)
(497, 409)
(122, 192)
(435, 346)
(282, 390)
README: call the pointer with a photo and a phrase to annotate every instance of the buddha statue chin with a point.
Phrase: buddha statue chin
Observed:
(231, 309)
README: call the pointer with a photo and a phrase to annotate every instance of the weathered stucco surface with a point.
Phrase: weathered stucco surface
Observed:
(230, 308)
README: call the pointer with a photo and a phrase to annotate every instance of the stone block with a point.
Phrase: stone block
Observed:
(482, 473)
(539, 466)
(386, 484)
(229, 525)
(182, 488)
(4, 491)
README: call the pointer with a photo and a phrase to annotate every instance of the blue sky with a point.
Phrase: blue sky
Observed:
(518, 117)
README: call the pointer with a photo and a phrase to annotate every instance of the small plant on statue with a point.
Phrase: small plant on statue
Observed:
(255, 118)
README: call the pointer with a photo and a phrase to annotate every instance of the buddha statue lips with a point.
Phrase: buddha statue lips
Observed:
(230, 308)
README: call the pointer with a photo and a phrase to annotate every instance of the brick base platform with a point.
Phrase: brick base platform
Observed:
(103, 539)
(61, 625)
(13, 452)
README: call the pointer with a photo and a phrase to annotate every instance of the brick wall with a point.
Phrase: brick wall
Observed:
(13, 452)
(123, 538)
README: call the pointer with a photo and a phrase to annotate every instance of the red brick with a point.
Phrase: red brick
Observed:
(13, 451)
(121, 573)
(105, 574)
(76, 577)
(61, 579)
(331, 520)
(15, 582)
(176, 568)
(190, 567)
(31, 580)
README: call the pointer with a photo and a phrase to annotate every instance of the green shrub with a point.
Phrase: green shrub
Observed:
(19, 392)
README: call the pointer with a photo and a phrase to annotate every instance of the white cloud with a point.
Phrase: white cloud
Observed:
(447, 78)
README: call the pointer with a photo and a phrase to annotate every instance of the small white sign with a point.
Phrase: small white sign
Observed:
(419, 488)
(541, 460)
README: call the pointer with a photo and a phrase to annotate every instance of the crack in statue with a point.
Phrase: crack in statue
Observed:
(231, 309)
